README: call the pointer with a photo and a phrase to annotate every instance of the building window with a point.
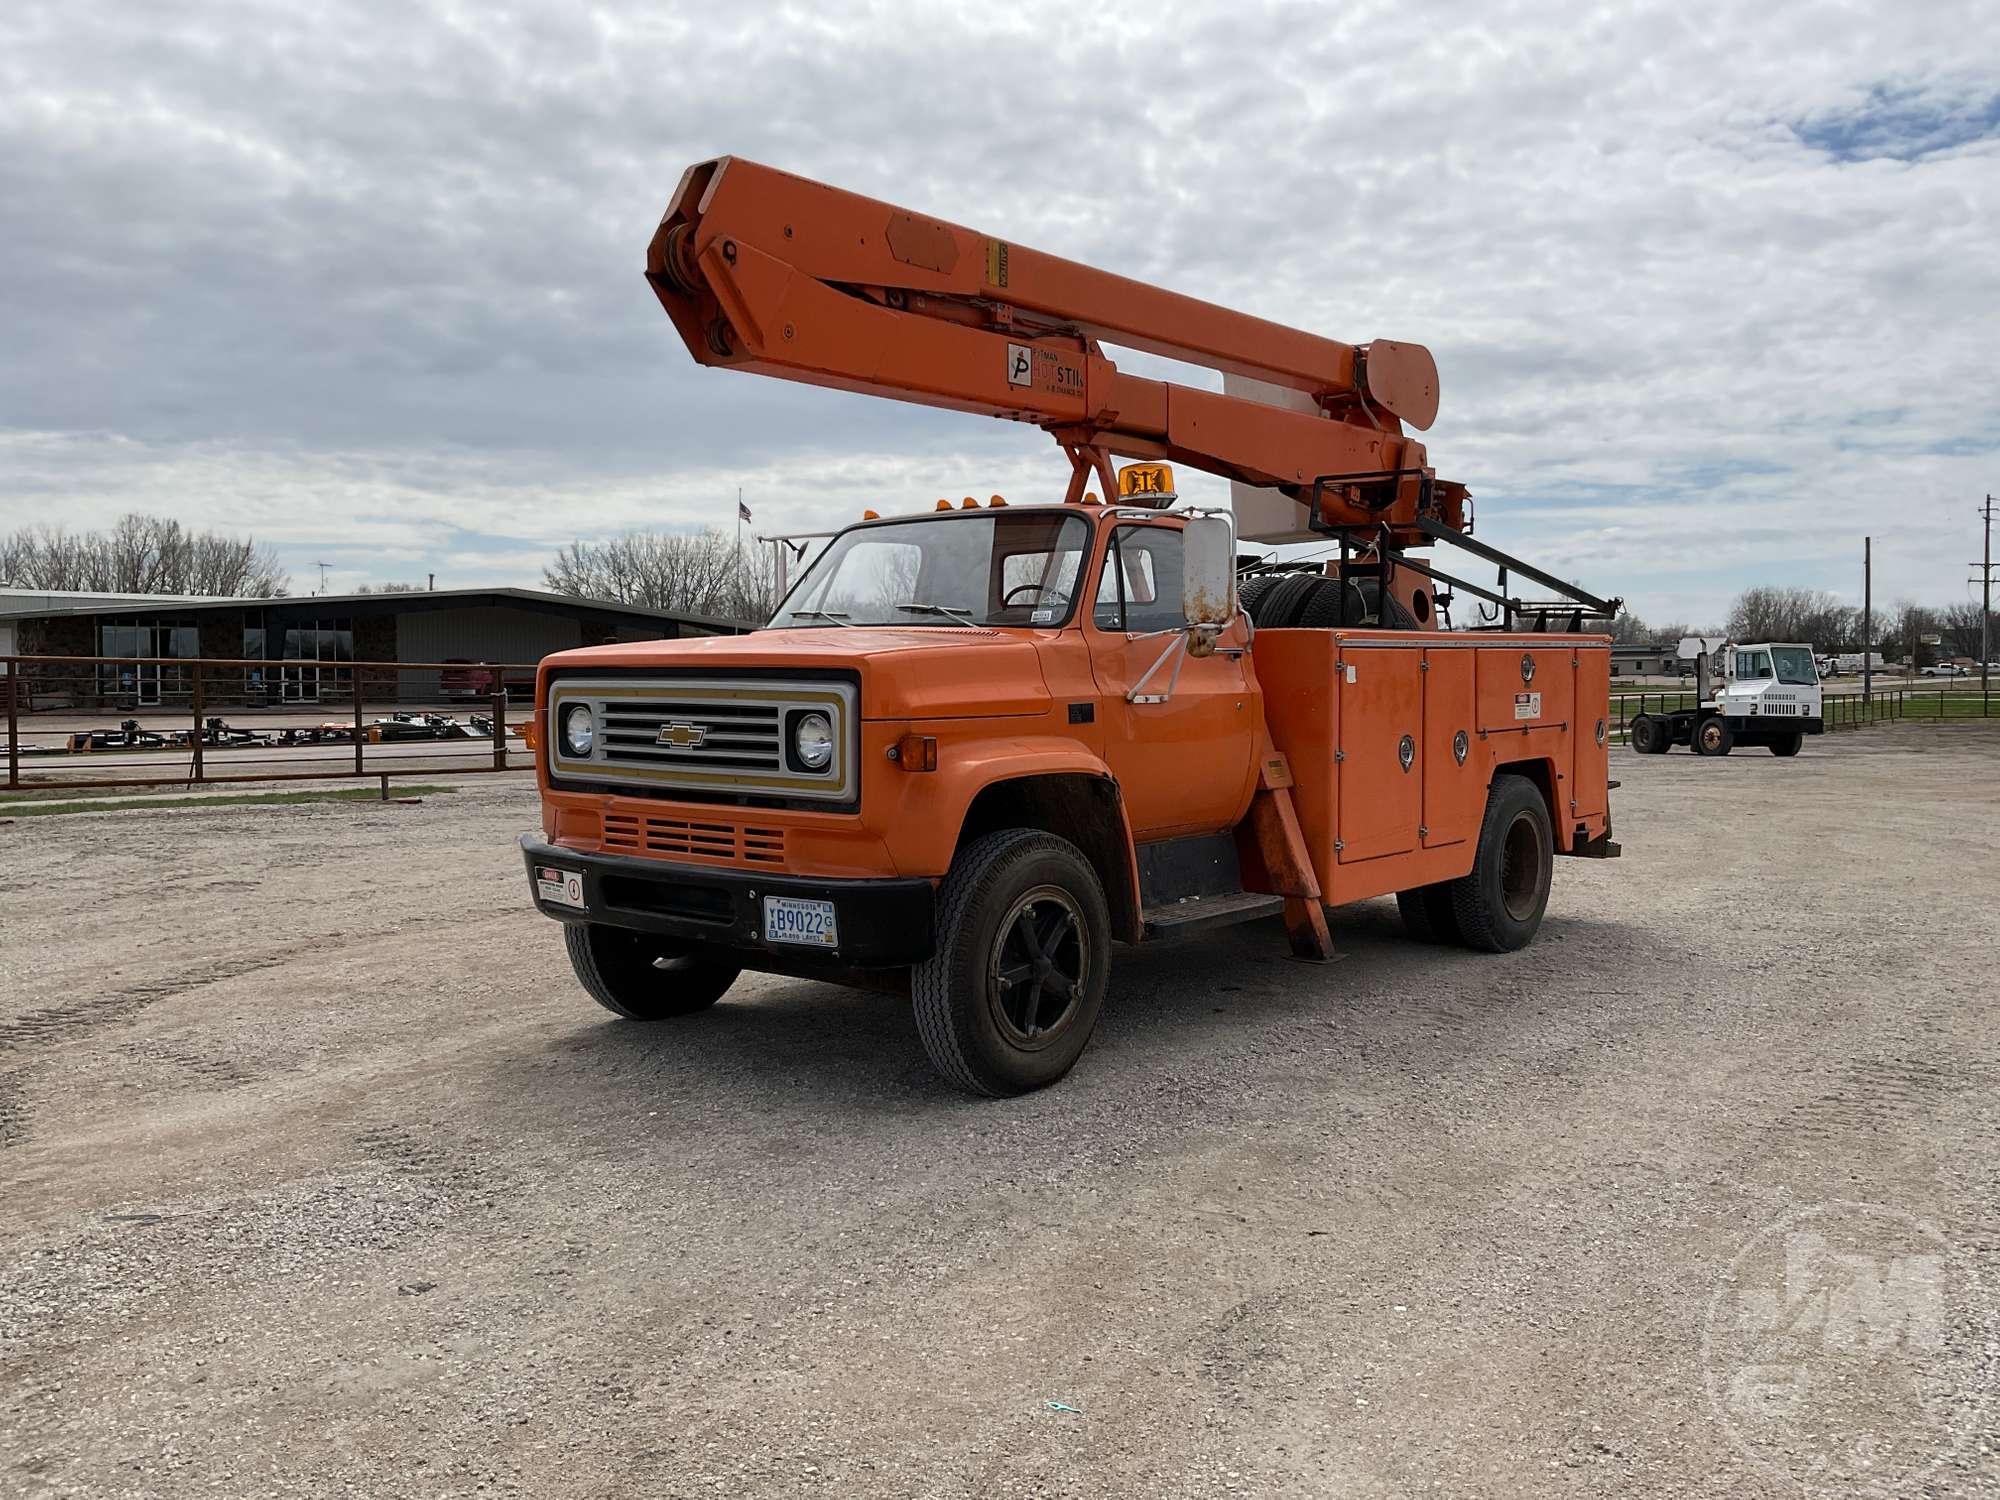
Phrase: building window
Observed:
(140, 680)
(315, 658)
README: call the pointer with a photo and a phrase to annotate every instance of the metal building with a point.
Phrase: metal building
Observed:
(308, 642)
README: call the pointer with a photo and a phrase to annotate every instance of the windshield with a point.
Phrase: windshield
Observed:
(969, 568)
(1795, 665)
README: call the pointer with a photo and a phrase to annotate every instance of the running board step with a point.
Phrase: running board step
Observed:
(1207, 912)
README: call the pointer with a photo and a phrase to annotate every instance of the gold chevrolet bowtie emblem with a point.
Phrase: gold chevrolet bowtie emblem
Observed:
(683, 736)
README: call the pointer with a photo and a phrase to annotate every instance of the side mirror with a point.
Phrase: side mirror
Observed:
(1208, 575)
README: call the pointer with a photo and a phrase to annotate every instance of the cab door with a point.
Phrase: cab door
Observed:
(1185, 764)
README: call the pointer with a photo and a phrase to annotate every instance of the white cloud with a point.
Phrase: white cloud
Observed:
(1712, 288)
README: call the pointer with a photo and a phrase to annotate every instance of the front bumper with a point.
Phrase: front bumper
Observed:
(882, 924)
(1742, 724)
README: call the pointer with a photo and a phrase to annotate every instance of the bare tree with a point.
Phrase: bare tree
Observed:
(1813, 616)
(140, 554)
(1959, 625)
(1629, 630)
(392, 588)
(1909, 624)
(699, 572)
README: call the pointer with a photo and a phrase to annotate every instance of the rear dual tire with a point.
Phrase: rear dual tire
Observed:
(1498, 907)
(1651, 736)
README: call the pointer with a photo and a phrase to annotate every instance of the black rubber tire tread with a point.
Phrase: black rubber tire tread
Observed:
(1279, 609)
(1427, 913)
(1254, 588)
(1398, 617)
(1416, 914)
(626, 983)
(1788, 744)
(1483, 921)
(938, 988)
(1322, 610)
(1649, 735)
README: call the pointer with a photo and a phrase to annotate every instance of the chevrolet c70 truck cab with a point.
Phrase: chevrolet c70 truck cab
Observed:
(982, 747)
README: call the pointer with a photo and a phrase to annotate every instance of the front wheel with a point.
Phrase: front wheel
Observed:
(1713, 736)
(1787, 744)
(1499, 905)
(643, 978)
(1008, 1001)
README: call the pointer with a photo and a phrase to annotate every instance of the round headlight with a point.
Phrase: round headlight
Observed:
(579, 730)
(812, 741)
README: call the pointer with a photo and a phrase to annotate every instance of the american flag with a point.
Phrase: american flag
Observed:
(742, 511)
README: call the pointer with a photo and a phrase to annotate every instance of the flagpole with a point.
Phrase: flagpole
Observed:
(739, 528)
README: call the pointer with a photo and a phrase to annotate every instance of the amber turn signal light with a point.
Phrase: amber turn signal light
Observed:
(915, 752)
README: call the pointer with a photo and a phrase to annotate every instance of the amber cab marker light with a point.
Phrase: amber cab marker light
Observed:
(869, 515)
(997, 501)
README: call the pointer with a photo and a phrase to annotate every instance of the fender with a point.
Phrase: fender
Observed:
(930, 806)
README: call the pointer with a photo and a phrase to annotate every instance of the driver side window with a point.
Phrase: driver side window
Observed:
(1140, 588)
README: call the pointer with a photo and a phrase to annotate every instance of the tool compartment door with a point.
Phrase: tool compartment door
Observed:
(1454, 791)
(1379, 801)
(1590, 786)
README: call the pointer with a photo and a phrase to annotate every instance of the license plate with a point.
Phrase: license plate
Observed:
(559, 887)
(787, 919)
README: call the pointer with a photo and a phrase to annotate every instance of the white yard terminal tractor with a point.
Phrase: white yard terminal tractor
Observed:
(1765, 695)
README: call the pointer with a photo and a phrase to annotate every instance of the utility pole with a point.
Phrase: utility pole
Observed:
(1985, 567)
(1867, 619)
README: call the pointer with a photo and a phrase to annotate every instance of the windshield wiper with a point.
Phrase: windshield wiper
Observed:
(962, 616)
(822, 614)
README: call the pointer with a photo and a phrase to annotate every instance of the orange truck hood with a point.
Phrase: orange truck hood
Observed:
(930, 672)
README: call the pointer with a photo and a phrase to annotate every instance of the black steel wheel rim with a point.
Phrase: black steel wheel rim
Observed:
(1040, 964)
(1522, 865)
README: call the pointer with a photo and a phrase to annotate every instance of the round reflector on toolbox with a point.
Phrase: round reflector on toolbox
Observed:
(812, 741)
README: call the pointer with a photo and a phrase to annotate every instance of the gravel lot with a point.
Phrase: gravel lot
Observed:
(322, 1177)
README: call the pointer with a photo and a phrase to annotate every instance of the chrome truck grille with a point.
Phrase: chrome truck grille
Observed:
(704, 734)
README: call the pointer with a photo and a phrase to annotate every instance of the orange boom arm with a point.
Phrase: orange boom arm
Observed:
(770, 273)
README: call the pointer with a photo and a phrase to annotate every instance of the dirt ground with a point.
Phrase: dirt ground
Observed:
(322, 1177)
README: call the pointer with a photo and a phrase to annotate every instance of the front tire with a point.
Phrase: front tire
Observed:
(1713, 736)
(621, 969)
(1010, 998)
(1787, 744)
(1499, 905)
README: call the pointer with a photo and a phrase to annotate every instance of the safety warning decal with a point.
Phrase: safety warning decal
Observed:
(996, 262)
(1527, 705)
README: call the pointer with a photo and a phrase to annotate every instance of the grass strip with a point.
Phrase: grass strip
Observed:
(233, 799)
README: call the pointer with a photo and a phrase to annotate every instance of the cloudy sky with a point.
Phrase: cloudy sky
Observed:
(1713, 287)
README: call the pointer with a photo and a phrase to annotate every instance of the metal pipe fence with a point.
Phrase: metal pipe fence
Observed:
(95, 722)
